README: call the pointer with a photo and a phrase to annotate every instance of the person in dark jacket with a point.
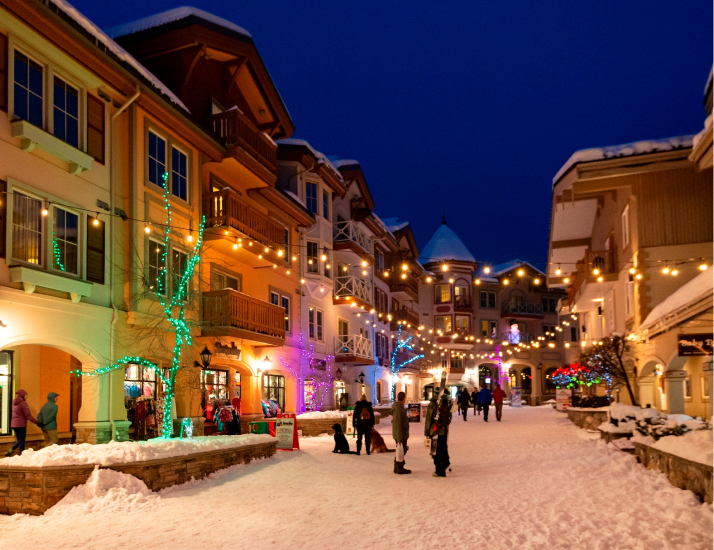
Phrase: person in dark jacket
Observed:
(474, 395)
(47, 419)
(400, 432)
(484, 401)
(436, 425)
(464, 402)
(20, 415)
(363, 420)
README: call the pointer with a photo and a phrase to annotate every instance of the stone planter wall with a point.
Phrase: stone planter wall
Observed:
(587, 419)
(681, 472)
(312, 427)
(32, 490)
(609, 437)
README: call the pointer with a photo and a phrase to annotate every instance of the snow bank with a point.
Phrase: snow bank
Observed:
(621, 428)
(620, 411)
(318, 415)
(129, 451)
(107, 490)
(695, 446)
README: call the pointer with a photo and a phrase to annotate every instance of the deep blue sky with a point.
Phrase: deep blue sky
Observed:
(471, 109)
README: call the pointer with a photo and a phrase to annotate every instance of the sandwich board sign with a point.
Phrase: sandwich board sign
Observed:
(286, 432)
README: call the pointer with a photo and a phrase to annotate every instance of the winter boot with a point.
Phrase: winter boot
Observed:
(9, 452)
(401, 469)
(366, 446)
(359, 446)
(396, 468)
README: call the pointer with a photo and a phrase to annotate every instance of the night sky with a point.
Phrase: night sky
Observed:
(471, 109)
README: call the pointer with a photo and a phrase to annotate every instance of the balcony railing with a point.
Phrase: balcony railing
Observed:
(604, 261)
(410, 283)
(227, 208)
(462, 303)
(353, 287)
(519, 338)
(237, 130)
(232, 309)
(348, 231)
(522, 308)
(353, 346)
(406, 315)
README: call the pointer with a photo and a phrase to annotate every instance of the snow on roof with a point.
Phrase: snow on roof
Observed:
(625, 150)
(500, 269)
(394, 224)
(343, 162)
(445, 245)
(322, 157)
(74, 14)
(170, 16)
(695, 289)
(381, 223)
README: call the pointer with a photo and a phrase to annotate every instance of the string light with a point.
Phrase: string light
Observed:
(487, 270)
(445, 267)
(665, 270)
(147, 230)
(521, 273)
(703, 267)
(95, 222)
(558, 271)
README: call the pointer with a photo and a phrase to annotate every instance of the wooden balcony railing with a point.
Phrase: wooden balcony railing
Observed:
(237, 130)
(397, 284)
(522, 308)
(405, 315)
(353, 346)
(232, 309)
(227, 208)
(349, 231)
(604, 261)
(353, 287)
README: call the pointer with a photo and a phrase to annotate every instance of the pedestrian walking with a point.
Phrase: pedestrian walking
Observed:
(362, 421)
(464, 402)
(458, 401)
(474, 397)
(400, 433)
(47, 419)
(484, 400)
(498, 396)
(436, 426)
(20, 415)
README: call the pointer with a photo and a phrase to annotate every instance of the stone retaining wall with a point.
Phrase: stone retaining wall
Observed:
(587, 420)
(312, 427)
(609, 437)
(33, 490)
(682, 473)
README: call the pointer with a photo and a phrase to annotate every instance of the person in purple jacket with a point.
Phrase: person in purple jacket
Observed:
(20, 415)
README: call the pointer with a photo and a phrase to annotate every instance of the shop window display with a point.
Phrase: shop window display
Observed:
(274, 390)
(140, 401)
(310, 395)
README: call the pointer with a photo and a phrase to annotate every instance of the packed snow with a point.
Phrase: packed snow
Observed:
(533, 481)
(695, 446)
(319, 415)
(620, 411)
(129, 451)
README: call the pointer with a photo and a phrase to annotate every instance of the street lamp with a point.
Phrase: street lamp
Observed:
(361, 378)
(206, 357)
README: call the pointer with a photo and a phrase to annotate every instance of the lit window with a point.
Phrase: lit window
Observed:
(443, 323)
(442, 293)
(157, 265)
(26, 228)
(65, 241)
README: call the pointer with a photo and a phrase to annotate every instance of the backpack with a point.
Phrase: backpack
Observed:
(364, 415)
(444, 417)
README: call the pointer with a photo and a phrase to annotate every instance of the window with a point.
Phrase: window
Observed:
(27, 225)
(318, 325)
(488, 300)
(343, 329)
(157, 159)
(705, 381)
(395, 305)
(457, 362)
(550, 304)
(325, 205)
(611, 311)
(549, 332)
(548, 380)
(178, 264)
(274, 298)
(179, 172)
(157, 268)
(488, 329)
(378, 345)
(66, 112)
(379, 261)
(630, 298)
(285, 302)
(139, 382)
(442, 293)
(221, 281)
(215, 384)
(380, 301)
(462, 323)
(461, 295)
(28, 89)
(326, 268)
(65, 241)
(443, 323)
(626, 226)
(274, 388)
(574, 334)
(286, 245)
(312, 266)
(6, 394)
(311, 323)
(311, 197)
(526, 380)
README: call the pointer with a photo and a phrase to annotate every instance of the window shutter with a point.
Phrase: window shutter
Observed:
(95, 251)
(3, 216)
(95, 128)
(3, 72)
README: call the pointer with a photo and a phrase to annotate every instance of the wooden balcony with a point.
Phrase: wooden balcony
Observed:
(353, 290)
(597, 266)
(522, 309)
(353, 349)
(232, 313)
(406, 288)
(225, 208)
(247, 143)
(347, 235)
(406, 316)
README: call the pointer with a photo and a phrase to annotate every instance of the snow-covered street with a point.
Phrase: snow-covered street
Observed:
(531, 481)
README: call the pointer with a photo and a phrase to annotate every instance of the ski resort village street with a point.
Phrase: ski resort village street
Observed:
(532, 481)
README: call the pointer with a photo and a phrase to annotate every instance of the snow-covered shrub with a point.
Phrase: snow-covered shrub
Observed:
(662, 426)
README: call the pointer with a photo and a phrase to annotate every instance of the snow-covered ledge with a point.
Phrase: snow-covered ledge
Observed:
(31, 136)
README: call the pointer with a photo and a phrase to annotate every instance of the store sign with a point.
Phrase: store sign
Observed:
(230, 352)
(516, 397)
(691, 345)
(562, 399)
(286, 432)
(414, 412)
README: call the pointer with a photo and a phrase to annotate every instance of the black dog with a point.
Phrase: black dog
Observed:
(341, 444)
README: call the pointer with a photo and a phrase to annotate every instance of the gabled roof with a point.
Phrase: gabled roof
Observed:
(696, 289)
(321, 160)
(170, 16)
(506, 267)
(351, 170)
(624, 150)
(445, 245)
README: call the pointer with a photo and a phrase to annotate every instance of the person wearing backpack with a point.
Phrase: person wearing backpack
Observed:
(363, 420)
(436, 426)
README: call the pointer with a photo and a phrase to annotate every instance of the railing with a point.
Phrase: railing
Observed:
(349, 232)
(230, 308)
(353, 287)
(396, 282)
(236, 129)
(405, 315)
(518, 338)
(462, 303)
(603, 261)
(227, 208)
(523, 308)
(353, 346)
